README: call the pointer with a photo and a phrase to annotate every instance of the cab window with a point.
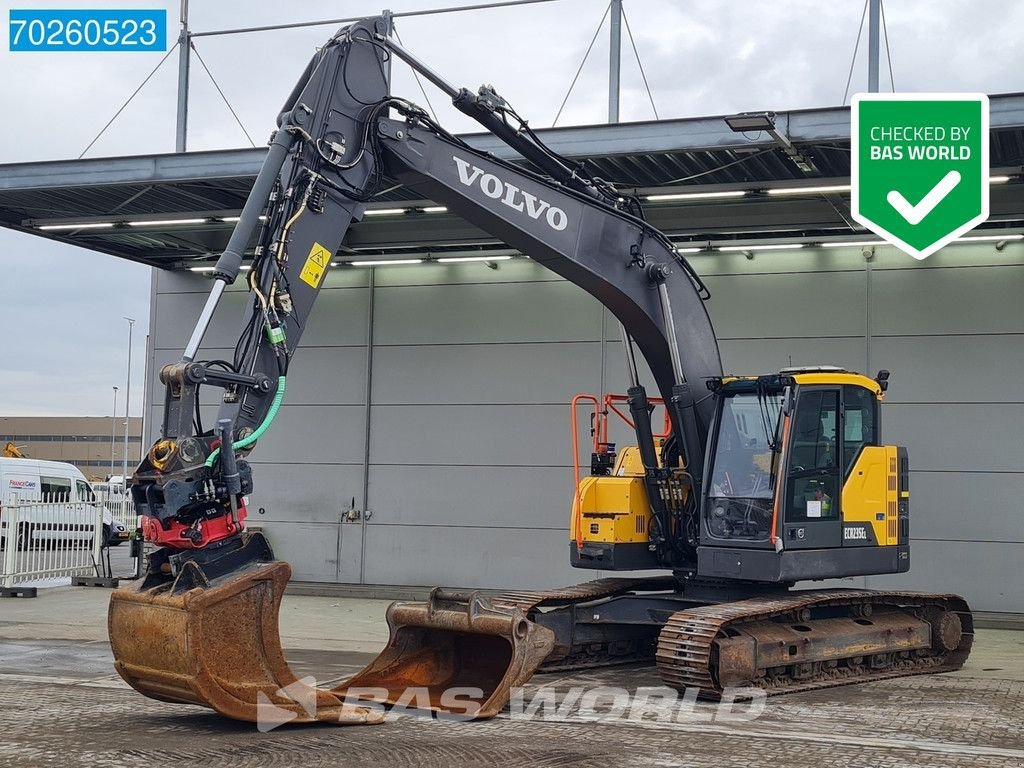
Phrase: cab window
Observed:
(813, 476)
(859, 423)
(84, 491)
(742, 490)
(55, 488)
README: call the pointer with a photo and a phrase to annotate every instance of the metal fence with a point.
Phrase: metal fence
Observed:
(45, 542)
(123, 561)
(123, 511)
(119, 504)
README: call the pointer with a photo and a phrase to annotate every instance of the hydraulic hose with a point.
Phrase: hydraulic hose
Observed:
(245, 442)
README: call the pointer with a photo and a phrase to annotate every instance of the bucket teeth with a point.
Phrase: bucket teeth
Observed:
(218, 646)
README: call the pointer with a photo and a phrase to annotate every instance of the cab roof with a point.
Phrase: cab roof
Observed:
(821, 374)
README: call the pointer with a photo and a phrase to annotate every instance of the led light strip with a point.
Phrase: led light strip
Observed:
(695, 195)
(385, 211)
(383, 262)
(853, 244)
(91, 225)
(765, 247)
(205, 268)
(466, 259)
(167, 222)
(809, 190)
(989, 238)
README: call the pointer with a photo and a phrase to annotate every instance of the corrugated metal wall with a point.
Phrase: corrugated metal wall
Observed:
(468, 458)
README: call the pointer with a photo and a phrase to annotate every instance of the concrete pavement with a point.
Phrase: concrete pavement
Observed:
(62, 703)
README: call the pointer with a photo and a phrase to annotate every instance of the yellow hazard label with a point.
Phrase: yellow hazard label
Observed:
(316, 265)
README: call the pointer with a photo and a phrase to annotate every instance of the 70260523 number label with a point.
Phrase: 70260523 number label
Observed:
(88, 30)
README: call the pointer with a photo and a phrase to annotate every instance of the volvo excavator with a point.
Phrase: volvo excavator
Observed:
(758, 484)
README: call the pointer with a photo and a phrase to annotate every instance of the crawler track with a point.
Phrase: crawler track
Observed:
(688, 650)
(693, 648)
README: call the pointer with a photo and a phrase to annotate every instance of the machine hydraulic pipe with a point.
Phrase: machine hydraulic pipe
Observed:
(230, 261)
(681, 404)
(640, 411)
(410, 59)
(482, 109)
(228, 462)
(627, 347)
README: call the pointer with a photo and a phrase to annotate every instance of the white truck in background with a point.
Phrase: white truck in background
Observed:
(62, 484)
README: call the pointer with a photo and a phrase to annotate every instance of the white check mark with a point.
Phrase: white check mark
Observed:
(916, 213)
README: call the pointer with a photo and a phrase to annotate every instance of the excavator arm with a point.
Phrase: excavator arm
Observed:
(336, 142)
(201, 626)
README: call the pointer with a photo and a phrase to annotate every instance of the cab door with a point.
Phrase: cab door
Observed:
(812, 518)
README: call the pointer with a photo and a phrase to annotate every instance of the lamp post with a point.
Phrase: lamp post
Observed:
(113, 432)
(127, 405)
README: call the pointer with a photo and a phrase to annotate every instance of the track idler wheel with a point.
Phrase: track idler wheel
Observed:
(947, 630)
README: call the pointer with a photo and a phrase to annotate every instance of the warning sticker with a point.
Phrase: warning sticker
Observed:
(316, 265)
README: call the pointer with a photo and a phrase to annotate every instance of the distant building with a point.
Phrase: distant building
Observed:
(80, 440)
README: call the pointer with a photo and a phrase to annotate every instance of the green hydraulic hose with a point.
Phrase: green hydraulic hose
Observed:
(245, 442)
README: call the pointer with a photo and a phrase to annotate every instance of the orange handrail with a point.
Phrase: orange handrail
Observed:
(577, 520)
(602, 407)
(610, 400)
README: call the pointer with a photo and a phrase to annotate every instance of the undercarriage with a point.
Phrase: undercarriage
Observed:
(210, 638)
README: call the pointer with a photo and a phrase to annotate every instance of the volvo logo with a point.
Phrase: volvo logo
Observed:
(508, 194)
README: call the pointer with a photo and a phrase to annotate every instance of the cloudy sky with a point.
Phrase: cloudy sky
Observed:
(65, 339)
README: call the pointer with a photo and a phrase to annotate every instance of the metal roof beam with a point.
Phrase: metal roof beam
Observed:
(690, 134)
(139, 169)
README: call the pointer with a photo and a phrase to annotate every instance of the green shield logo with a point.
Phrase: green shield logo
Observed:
(919, 166)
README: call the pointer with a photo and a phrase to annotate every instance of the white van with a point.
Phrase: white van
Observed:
(36, 480)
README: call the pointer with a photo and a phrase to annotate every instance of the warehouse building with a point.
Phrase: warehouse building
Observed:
(425, 437)
(94, 444)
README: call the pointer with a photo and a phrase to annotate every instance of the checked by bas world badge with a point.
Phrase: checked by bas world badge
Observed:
(919, 166)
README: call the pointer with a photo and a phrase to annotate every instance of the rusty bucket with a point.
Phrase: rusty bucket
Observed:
(216, 644)
(219, 647)
(456, 654)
